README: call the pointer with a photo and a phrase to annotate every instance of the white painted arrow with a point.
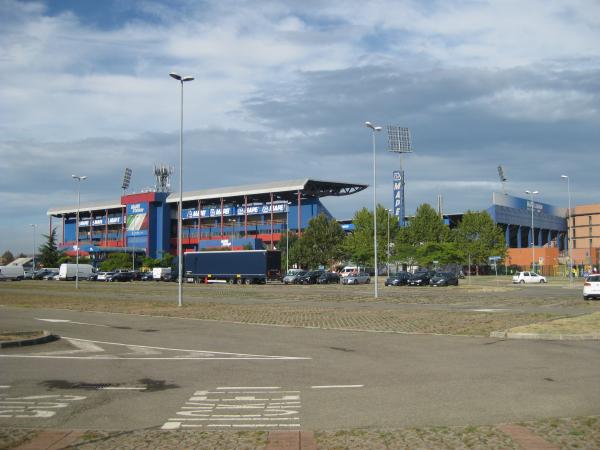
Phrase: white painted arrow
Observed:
(73, 322)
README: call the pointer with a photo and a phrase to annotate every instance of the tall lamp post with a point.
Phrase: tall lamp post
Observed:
(79, 179)
(388, 241)
(569, 243)
(180, 209)
(374, 129)
(531, 194)
(34, 226)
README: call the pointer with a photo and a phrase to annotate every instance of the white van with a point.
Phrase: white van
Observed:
(12, 273)
(348, 270)
(158, 273)
(69, 271)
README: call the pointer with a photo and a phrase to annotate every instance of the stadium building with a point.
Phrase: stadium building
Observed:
(237, 217)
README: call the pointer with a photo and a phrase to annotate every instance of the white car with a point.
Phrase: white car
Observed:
(528, 277)
(591, 287)
(103, 276)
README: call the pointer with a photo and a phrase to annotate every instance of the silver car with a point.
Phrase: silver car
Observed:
(357, 278)
(292, 277)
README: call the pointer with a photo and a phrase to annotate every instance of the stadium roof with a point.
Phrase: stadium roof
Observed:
(281, 190)
(84, 207)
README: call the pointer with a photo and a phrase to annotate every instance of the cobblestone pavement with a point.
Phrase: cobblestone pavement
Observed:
(566, 433)
(467, 310)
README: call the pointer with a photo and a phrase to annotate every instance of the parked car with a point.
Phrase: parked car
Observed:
(357, 278)
(310, 277)
(591, 287)
(348, 270)
(528, 277)
(103, 276)
(293, 277)
(421, 278)
(50, 276)
(40, 274)
(398, 279)
(93, 277)
(120, 276)
(444, 279)
(329, 277)
(146, 276)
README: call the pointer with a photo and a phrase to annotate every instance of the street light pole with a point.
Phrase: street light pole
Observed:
(287, 239)
(388, 242)
(374, 129)
(79, 179)
(531, 194)
(34, 226)
(566, 177)
(180, 206)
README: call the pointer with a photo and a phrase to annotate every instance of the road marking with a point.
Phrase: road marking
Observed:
(276, 408)
(336, 386)
(123, 388)
(73, 322)
(251, 387)
(35, 406)
(89, 346)
(4, 387)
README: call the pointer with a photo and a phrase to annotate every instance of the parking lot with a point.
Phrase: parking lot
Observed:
(478, 308)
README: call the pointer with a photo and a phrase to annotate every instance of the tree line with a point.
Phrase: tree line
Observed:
(425, 240)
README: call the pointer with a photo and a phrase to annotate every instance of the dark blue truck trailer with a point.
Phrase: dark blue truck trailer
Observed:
(231, 266)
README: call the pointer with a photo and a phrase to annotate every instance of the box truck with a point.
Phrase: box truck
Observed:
(69, 271)
(231, 266)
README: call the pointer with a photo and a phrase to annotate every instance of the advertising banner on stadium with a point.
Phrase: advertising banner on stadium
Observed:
(137, 219)
(192, 213)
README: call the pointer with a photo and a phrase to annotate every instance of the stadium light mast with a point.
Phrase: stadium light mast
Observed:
(399, 142)
(180, 209)
(34, 226)
(531, 194)
(374, 129)
(566, 177)
(79, 179)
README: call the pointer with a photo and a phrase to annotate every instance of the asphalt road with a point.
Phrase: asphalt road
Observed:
(116, 371)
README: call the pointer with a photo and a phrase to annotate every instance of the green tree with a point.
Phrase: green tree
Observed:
(48, 251)
(116, 261)
(442, 252)
(166, 260)
(150, 263)
(478, 236)
(426, 226)
(287, 241)
(321, 241)
(7, 257)
(359, 244)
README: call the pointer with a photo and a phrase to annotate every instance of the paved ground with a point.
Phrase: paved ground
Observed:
(124, 372)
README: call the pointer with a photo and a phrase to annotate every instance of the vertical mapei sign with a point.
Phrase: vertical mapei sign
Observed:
(398, 180)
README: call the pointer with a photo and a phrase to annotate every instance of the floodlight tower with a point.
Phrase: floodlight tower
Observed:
(502, 179)
(126, 179)
(399, 142)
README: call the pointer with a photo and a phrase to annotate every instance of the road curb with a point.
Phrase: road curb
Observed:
(46, 337)
(545, 337)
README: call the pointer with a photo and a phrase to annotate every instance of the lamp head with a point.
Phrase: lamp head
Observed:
(564, 177)
(175, 75)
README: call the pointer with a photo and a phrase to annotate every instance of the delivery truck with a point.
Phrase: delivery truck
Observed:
(69, 271)
(12, 272)
(231, 266)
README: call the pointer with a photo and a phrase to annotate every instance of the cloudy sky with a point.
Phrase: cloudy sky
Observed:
(282, 91)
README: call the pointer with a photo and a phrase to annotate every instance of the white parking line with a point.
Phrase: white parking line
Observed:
(123, 388)
(251, 387)
(336, 386)
(4, 387)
